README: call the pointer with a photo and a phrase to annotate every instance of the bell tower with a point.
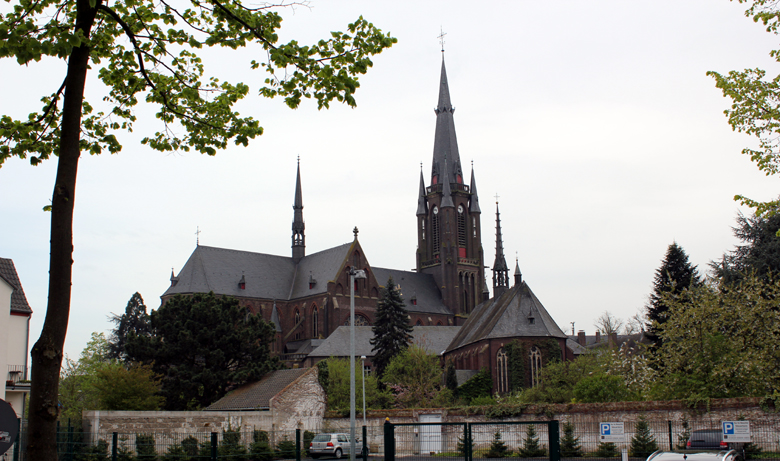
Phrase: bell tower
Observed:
(449, 237)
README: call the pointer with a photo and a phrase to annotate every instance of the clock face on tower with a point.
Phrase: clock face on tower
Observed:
(460, 208)
(435, 210)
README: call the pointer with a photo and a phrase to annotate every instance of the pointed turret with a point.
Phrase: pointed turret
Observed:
(275, 319)
(445, 145)
(500, 269)
(298, 226)
(518, 275)
(422, 208)
(474, 200)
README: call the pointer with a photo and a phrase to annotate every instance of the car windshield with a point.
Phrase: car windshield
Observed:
(321, 438)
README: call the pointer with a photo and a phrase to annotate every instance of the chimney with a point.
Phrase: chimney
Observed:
(598, 336)
(581, 338)
(613, 339)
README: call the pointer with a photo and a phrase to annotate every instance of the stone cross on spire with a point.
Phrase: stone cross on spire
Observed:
(441, 39)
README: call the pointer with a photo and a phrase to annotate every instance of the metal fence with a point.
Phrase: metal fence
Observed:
(412, 441)
(237, 445)
(472, 441)
(555, 440)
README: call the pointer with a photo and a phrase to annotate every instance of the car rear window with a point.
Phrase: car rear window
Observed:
(321, 438)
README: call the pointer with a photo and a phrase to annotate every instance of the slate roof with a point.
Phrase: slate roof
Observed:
(434, 339)
(258, 395)
(413, 284)
(267, 276)
(19, 302)
(508, 317)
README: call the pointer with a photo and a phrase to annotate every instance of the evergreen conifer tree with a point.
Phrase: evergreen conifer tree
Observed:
(570, 445)
(498, 448)
(392, 332)
(531, 447)
(135, 321)
(675, 275)
(643, 443)
(461, 444)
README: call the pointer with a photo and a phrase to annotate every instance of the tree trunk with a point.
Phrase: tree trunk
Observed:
(47, 351)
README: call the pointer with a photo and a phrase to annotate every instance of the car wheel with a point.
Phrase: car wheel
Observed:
(338, 453)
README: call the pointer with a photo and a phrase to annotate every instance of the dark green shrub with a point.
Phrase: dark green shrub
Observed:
(145, 449)
(230, 446)
(308, 436)
(531, 447)
(260, 449)
(498, 448)
(285, 449)
(461, 446)
(606, 450)
(570, 445)
(643, 443)
(97, 452)
(479, 385)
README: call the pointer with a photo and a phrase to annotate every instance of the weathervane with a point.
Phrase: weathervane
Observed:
(197, 236)
(496, 198)
(441, 39)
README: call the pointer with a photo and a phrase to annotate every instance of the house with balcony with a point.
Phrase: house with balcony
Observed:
(15, 313)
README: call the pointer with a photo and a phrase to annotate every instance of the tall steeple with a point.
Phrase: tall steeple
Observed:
(298, 226)
(422, 208)
(445, 144)
(500, 269)
(518, 274)
(474, 201)
(449, 245)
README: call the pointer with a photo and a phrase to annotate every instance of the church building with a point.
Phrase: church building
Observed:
(307, 296)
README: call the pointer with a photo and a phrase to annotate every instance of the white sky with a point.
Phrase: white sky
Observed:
(593, 121)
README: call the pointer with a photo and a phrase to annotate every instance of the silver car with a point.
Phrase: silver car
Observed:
(333, 444)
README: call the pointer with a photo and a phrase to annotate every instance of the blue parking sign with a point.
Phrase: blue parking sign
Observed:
(728, 427)
(736, 431)
(611, 432)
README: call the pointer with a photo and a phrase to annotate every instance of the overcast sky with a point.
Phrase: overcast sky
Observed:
(593, 121)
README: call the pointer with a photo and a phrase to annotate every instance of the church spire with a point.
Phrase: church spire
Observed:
(474, 201)
(518, 275)
(445, 144)
(298, 226)
(422, 209)
(500, 269)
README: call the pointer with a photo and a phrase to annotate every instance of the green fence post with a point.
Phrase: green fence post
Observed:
(213, 446)
(297, 445)
(389, 441)
(553, 432)
(114, 448)
(365, 443)
(69, 446)
(467, 445)
(671, 447)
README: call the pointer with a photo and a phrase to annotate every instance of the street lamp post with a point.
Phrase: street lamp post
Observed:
(363, 367)
(353, 274)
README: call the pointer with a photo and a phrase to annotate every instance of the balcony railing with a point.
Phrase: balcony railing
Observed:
(17, 378)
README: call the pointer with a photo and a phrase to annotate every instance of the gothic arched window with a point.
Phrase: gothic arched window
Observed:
(536, 366)
(315, 327)
(502, 371)
(360, 321)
